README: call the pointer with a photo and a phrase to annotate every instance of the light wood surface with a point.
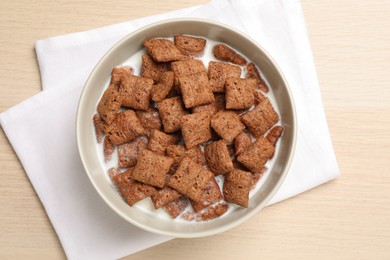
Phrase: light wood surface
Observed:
(348, 218)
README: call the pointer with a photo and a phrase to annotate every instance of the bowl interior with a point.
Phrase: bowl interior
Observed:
(97, 82)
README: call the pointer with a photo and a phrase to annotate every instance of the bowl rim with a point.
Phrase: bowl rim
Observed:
(231, 224)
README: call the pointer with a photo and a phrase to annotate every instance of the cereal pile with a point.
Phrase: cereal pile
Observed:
(178, 125)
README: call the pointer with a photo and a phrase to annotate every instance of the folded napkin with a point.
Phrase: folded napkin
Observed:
(42, 128)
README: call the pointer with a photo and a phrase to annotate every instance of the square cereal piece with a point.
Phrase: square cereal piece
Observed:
(196, 90)
(214, 107)
(240, 93)
(171, 111)
(109, 104)
(187, 67)
(190, 179)
(136, 92)
(237, 186)
(151, 69)
(164, 196)
(150, 119)
(257, 155)
(218, 158)
(118, 73)
(212, 212)
(218, 73)
(163, 50)
(128, 152)
(100, 127)
(225, 53)
(125, 127)
(227, 124)
(195, 128)
(190, 45)
(242, 142)
(152, 168)
(253, 73)
(274, 134)
(259, 97)
(163, 86)
(159, 141)
(108, 149)
(176, 207)
(260, 119)
(178, 152)
(210, 195)
(132, 191)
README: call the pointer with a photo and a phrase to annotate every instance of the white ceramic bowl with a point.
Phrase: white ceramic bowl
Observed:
(98, 81)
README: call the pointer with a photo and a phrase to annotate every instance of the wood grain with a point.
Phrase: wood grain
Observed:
(348, 218)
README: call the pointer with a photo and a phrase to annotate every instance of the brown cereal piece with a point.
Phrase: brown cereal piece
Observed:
(225, 53)
(132, 191)
(118, 73)
(210, 195)
(242, 141)
(128, 152)
(195, 128)
(150, 119)
(240, 93)
(253, 73)
(218, 73)
(171, 111)
(152, 168)
(256, 155)
(186, 67)
(163, 50)
(212, 212)
(256, 176)
(274, 134)
(260, 119)
(109, 104)
(190, 179)
(218, 158)
(220, 101)
(135, 91)
(259, 97)
(163, 86)
(237, 186)
(164, 196)
(108, 149)
(227, 124)
(159, 141)
(112, 172)
(151, 69)
(211, 109)
(178, 152)
(176, 207)
(195, 89)
(190, 45)
(100, 127)
(125, 127)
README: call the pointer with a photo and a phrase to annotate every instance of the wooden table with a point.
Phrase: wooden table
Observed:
(346, 218)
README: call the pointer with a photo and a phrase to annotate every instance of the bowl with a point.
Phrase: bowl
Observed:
(98, 81)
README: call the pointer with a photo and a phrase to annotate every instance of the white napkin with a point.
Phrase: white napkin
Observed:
(42, 128)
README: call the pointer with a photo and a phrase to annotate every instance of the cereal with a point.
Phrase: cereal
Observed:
(150, 119)
(135, 92)
(163, 50)
(256, 155)
(171, 111)
(237, 186)
(253, 73)
(195, 129)
(227, 124)
(178, 152)
(176, 207)
(100, 127)
(151, 168)
(151, 69)
(259, 97)
(218, 73)
(189, 45)
(108, 149)
(225, 53)
(164, 196)
(186, 67)
(242, 141)
(109, 104)
(195, 89)
(128, 152)
(163, 86)
(212, 212)
(218, 158)
(118, 73)
(125, 128)
(240, 93)
(210, 195)
(159, 141)
(274, 134)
